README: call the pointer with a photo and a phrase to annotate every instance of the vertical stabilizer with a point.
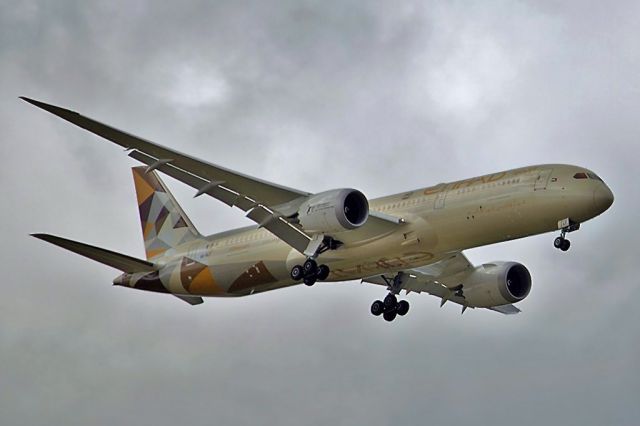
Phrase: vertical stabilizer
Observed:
(164, 223)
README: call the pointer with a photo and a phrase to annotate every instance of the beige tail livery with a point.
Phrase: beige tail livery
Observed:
(164, 224)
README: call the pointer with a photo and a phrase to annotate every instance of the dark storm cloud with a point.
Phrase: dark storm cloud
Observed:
(376, 95)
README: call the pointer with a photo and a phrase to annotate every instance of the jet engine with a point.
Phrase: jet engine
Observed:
(497, 283)
(334, 211)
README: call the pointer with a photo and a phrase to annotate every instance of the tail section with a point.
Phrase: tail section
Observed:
(164, 223)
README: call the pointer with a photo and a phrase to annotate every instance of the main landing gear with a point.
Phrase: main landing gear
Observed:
(561, 242)
(391, 307)
(310, 272)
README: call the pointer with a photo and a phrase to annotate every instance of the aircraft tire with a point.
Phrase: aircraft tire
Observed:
(390, 302)
(323, 272)
(558, 242)
(565, 245)
(377, 308)
(389, 316)
(403, 308)
(297, 273)
(309, 281)
(310, 267)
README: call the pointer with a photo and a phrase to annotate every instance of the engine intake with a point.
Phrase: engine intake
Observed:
(334, 211)
(518, 282)
(497, 283)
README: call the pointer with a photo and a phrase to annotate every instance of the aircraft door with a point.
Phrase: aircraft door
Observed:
(542, 180)
(439, 200)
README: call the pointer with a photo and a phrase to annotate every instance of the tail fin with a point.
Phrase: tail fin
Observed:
(164, 223)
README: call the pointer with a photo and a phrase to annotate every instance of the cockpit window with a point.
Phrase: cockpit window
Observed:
(594, 176)
(580, 175)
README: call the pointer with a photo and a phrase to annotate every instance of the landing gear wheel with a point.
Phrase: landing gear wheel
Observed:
(377, 308)
(310, 267)
(402, 308)
(562, 243)
(390, 301)
(558, 242)
(297, 273)
(309, 281)
(389, 316)
(323, 272)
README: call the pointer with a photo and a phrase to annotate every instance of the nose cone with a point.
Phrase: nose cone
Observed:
(602, 198)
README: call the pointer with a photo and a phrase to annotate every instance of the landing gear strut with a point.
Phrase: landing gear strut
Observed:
(390, 307)
(561, 242)
(310, 272)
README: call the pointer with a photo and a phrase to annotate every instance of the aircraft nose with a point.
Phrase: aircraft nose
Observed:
(602, 198)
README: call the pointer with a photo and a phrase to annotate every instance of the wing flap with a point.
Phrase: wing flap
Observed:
(259, 213)
(119, 261)
(280, 227)
(203, 186)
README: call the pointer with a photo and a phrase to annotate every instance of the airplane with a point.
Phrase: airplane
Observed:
(411, 241)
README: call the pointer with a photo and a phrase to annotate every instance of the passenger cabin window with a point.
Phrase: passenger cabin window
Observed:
(580, 175)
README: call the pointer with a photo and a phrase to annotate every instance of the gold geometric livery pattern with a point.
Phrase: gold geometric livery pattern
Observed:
(164, 224)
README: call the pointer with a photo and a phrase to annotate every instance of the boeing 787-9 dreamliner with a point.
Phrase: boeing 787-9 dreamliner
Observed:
(411, 241)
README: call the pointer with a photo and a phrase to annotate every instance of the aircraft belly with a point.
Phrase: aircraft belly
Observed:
(246, 271)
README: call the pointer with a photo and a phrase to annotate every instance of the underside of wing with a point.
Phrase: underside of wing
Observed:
(441, 279)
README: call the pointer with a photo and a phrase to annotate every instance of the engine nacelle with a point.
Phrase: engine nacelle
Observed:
(334, 211)
(497, 283)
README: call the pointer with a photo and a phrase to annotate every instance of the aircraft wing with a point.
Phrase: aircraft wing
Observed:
(266, 203)
(268, 193)
(440, 279)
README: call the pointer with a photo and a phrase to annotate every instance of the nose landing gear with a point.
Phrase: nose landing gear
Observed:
(562, 243)
(565, 225)
(390, 307)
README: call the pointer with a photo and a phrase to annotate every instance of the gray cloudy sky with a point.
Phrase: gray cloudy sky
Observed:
(382, 96)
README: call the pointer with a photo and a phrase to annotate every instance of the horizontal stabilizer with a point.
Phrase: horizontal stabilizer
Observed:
(116, 260)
